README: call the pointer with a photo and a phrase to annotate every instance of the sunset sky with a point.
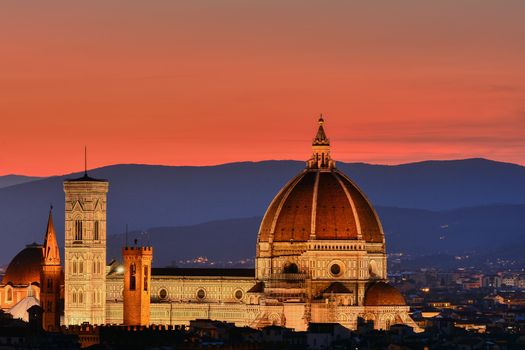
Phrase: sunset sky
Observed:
(208, 82)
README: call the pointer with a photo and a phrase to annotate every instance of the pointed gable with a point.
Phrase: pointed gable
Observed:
(50, 252)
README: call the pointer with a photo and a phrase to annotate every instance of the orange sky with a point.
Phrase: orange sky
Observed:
(208, 82)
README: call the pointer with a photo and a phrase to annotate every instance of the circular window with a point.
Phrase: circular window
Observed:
(238, 294)
(335, 269)
(201, 294)
(163, 293)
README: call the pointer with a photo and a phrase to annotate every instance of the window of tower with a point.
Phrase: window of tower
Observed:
(78, 230)
(146, 278)
(49, 284)
(95, 234)
(49, 306)
(132, 277)
(9, 297)
(80, 297)
(74, 297)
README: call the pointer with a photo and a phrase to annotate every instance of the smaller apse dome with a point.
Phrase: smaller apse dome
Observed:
(24, 269)
(383, 294)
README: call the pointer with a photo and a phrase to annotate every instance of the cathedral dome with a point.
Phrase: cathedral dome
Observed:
(383, 294)
(320, 204)
(25, 266)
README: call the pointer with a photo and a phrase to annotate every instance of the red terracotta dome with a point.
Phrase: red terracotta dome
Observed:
(320, 203)
(25, 266)
(383, 294)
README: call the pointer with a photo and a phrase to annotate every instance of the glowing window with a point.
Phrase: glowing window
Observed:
(146, 278)
(132, 277)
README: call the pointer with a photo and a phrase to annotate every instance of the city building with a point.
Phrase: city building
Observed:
(320, 258)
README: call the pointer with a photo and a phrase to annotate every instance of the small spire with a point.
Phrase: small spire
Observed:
(320, 137)
(321, 149)
(51, 255)
(85, 160)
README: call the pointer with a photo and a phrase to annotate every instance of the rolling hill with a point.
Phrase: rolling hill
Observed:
(145, 196)
(477, 231)
(11, 180)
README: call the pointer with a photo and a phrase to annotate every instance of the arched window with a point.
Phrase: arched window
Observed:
(78, 230)
(80, 297)
(291, 268)
(132, 277)
(9, 296)
(74, 266)
(95, 232)
(146, 278)
(74, 298)
(81, 267)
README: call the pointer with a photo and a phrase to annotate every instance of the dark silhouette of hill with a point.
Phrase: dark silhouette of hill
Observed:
(11, 180)
(146, 196)
(480, 232)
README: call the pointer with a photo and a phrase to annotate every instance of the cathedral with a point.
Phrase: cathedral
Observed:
(320, 257)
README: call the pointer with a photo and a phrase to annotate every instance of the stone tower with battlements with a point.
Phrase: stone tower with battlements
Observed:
(85, 250)
(50, 278)
(137, 284)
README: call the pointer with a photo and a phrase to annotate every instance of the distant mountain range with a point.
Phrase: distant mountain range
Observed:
(11, 180)
(476, 231)
(146, 196)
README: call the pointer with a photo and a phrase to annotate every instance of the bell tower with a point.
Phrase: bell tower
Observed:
(85, 250)
(50, 278)
(137, 284)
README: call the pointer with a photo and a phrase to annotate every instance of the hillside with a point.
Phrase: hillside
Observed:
(162, 196)
(478, 231)
(11, 180)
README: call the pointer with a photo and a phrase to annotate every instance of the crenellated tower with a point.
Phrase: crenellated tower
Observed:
(85, 250)
(137, 284)
(50, 278)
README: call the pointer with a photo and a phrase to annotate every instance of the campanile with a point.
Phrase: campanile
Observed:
(85, 250)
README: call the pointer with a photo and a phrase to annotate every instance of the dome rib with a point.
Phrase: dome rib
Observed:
(294, 218)
(267, 227)
(313, 228)
(352, 205)
(373, 231)
(320, 204)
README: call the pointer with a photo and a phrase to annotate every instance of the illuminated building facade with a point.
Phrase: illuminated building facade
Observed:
(320, 258)
(85, 251)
